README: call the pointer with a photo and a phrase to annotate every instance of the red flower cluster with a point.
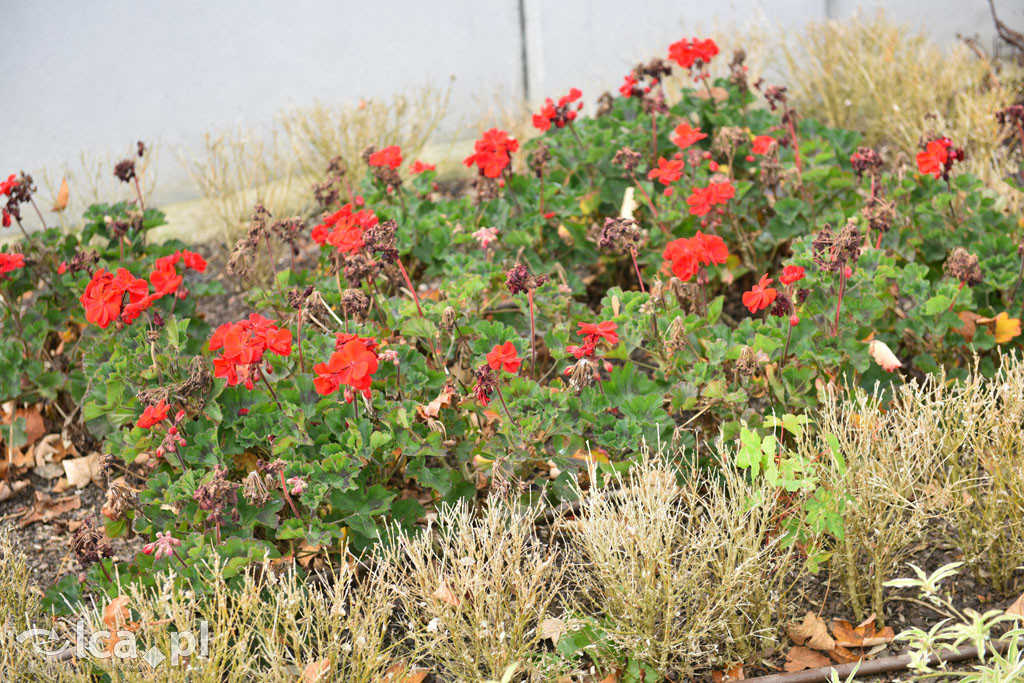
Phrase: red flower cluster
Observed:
(344, 228)
(686, 135)
(760, 296)
(9, 184)
(703, 198)
(492, 153)
(791, 274)
(104, 297)
(631, 87)
(688, 52)
(763, 144)
(560, 114)
(389, 156)
(687, 256)
(667, 172)
(352, 365)
(592, 334)
(10, 263)
(243, 345)
(152, 415)
(165, 277)
(938, 157)
(419, 167)
(504, 357)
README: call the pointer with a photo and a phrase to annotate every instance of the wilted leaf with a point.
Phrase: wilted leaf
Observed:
(9, 490)
(812, 632)
(969, 319)
(883, 355)
(799, 658)
(53, 448)
(63, 194)
(1017, 608)
(396, 673)
(443, 400)
(863, 635)
(629, 203)
(46, 509)
(116, 617)
(1005, 328)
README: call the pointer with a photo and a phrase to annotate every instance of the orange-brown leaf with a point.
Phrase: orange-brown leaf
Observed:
(799, 658)
(63, 195)
(444, 594)
(812, 633)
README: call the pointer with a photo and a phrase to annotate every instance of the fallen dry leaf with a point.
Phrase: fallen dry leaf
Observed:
(552, 628)
(9, 490)
(1017, 608)
(1005, 328)
(81, 471)
(35, 428)
(863, 635)
(63, 194)
(444, 594)
(969, 318)
(843, 656)
(733, 674)
(799, 658)
(883, 355)
(116, 617)
(46, 509)
(396, 673)
(812, 632)
(53, 448)
(316, 671)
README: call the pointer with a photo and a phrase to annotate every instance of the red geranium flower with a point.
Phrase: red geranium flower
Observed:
(243, 344)
(760, 296)
(791, 274)
(701, 199)
(560, 114)
(11, 262)
(629, 87)
(602, 330)
(763, 144)
(492, 153)
(685, 135)
(931, 161)
(344, 229)
(686, 256)
(688, 52)
(667, 172)
(9, 184)
(152, 415)
(504, 357)
(104, 297)
(352, 365)
(389, 156)
(419, 167)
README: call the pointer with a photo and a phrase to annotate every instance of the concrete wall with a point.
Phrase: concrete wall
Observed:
(99, 75)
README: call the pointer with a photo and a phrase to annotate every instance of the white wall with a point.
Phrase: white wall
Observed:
(99, 75)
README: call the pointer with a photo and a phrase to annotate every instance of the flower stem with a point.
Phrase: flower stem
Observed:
(271, 388)
(412, 290)
(505, 406)
(38, 213)
(533, 338)
(956, 295)
(839, 301)
(138, 192)
(650, 202)
(298, 338)
(785, 349)
(636, 267)
(287, 497)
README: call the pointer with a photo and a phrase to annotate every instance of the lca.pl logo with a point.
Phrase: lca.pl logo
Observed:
(96, 644)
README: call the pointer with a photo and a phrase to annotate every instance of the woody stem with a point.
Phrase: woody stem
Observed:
(271, 388)
(533, 338)
(138, 192)
(412, 290)
(636, 267)
(38, 213)
(796, 144)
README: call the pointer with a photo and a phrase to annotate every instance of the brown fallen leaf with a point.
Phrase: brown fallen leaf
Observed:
(316, 671)
(46, 509)
(34, 425)
(82, 471)
(862, 635)
(116, 617)
(843, 656)
(613, 677)
(799, 658)
(732, 674)
(444, 594)
(396, 673)
(9, 490)
(552, 628)
(969, 319)
(812, 633)
(63, 194)
(53, 448)
(1016, 609)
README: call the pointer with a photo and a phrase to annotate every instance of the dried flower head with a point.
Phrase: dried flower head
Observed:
(834, 251)
(381, 239)
(518, 279)
(963, 266)
(627, 159)
(620, 234)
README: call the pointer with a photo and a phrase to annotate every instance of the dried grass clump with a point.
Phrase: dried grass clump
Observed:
(239, 168)
(989, 472)
(890, 82)
(683, 566)
(895, 480)
(318, 133)
(476, 590)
